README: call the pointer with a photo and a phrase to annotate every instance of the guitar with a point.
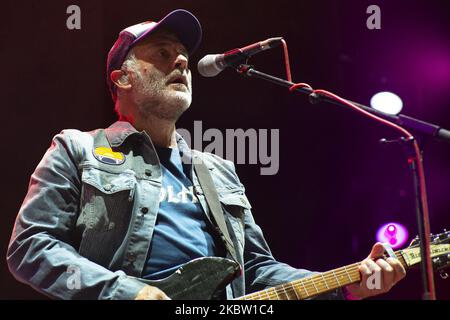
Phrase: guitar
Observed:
(203, 278)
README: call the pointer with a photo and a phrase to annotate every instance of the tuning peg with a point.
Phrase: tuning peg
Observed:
(443, 236)
(415, 242)
(443, 274)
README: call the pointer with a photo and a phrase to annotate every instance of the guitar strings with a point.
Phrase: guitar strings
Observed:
(318, 283)
(304, 284)
(315, 283)
(299, 285)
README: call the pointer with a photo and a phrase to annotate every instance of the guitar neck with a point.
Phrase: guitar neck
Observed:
(314, 285)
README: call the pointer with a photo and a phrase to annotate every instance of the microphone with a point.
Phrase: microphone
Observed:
(212, 64)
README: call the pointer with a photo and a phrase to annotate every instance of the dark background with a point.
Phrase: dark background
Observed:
(336, 184)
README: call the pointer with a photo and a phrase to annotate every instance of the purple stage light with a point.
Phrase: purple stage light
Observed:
(393, 233)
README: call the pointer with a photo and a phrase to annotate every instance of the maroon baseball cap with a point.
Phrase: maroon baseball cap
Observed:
(181, 22)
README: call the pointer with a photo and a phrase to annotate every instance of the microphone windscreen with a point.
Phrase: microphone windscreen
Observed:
(208, 66)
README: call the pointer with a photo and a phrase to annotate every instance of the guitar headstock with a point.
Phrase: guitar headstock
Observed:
(439, 248)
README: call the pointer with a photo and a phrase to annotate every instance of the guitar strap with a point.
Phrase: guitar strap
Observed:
(212, 198)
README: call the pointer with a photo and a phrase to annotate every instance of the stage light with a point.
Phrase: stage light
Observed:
(393, 233)
(387, 102)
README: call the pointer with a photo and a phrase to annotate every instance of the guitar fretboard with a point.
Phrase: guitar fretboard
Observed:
(313, 285)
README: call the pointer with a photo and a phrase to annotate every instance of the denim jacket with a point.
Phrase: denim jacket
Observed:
(85, 226)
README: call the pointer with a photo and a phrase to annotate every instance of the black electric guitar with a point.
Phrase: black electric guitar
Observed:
(202, 278)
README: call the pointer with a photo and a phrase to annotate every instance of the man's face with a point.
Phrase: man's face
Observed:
(162, 82)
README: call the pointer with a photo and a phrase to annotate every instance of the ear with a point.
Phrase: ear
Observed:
(120, 79)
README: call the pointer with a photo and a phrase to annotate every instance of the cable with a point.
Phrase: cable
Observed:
(411, 159)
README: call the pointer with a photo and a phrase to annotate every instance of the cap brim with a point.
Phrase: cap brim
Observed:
(183, 24)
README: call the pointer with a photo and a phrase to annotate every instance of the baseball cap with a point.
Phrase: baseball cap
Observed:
(181, 22)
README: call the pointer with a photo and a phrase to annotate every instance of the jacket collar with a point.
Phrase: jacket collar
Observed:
(119, 131)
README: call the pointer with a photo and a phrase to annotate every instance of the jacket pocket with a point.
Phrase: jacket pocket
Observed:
(105, 212)
(235, 205)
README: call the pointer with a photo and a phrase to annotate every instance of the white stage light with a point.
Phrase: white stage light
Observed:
(387, 102)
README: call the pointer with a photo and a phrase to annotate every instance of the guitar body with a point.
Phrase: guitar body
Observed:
(205, 278)
(199, 279)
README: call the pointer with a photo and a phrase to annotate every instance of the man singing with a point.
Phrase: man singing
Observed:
(108, 208)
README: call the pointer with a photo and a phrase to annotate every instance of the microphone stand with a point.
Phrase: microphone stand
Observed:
(423, 129)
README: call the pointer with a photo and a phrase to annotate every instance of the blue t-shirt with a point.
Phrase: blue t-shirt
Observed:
(182, 232)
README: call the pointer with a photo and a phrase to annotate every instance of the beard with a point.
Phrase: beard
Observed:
(155, 97)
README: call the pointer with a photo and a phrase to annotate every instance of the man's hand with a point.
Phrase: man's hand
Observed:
(151, 293)
(389, 272)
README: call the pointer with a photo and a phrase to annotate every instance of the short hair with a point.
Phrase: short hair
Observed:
(129, 64)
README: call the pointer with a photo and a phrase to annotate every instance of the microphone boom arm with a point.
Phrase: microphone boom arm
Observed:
(422, 127)
(414, 159)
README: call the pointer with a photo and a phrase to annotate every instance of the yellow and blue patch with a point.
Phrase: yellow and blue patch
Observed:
(106, 155)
